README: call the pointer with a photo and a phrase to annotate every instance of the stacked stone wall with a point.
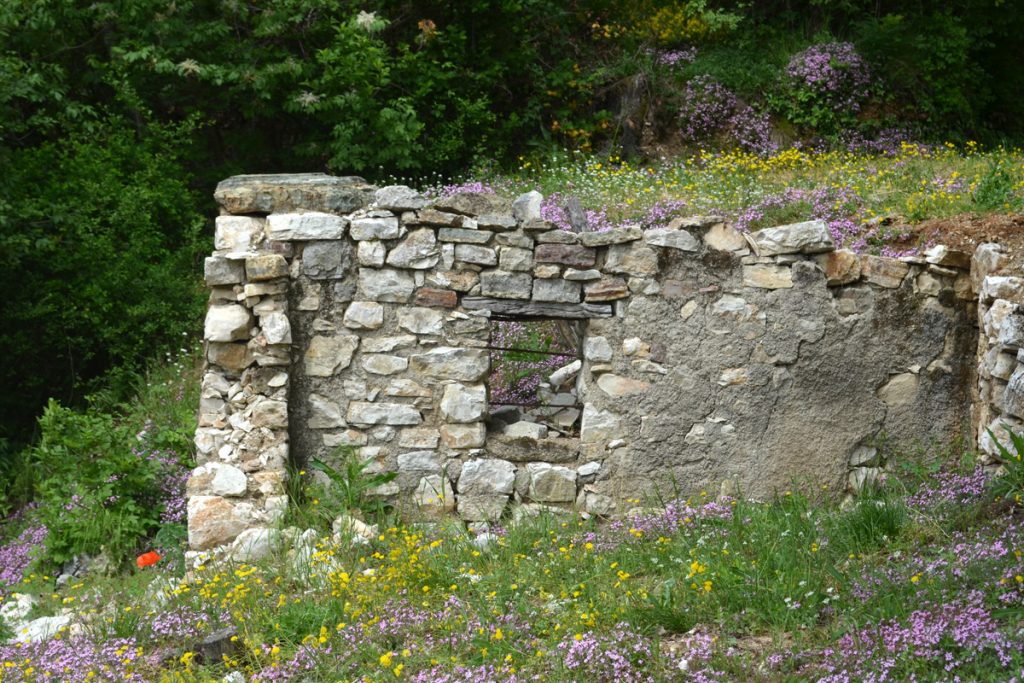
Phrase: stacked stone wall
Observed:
(346, 316)
(999, 406)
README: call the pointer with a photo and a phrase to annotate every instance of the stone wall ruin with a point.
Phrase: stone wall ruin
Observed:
(345, 315)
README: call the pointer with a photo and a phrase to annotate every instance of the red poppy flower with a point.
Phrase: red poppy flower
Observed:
(146, 559)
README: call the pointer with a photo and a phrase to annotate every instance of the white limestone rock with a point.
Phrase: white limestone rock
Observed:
(672, 239)
(526, 430)
(312, 225)
(809, 237)
(361, 412)
(445, 362)
(419, 251)
(324, 413)
(461, 403)
(551, 483)
(419, 320)
(399, 198)
(364, 315)
(328, 355)
(385, 284)
(526, 207)
(238, 233)
(227, 323)
(374, 228)
(383, 364)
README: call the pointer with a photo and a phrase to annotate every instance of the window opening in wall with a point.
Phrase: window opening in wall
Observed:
(534, 368)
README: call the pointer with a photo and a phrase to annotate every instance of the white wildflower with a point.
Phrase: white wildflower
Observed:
(367, 21)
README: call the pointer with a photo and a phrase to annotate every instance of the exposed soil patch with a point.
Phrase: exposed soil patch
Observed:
(966, 231)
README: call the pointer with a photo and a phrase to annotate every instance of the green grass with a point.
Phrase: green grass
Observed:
(851, 191)
(749, 590)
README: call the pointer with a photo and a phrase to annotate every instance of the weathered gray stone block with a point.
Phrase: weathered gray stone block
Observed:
(671, 239)
(446, 362)
(237, 233)
(265, 267)
(464, 236)
(481, 508)
(407, 388)
(635, 259)
(312, 225)
(283, 193)
(882, 271)
(810, 237)
(222, 271)
(364, 315)
(597, 349)
(387, 344)
(499, 222)
(462, 436)
(941, 255)
(420, 320)
(385, 284)
(525, 430)
(269, 413)
(599, 426)
(551, 483)
(326, 260)
(461, 403)
(227, 323)
(434, 493)
(550, 449)
(506, 285)
(581, 275)
(472, 253)
(487, 476)
(383, 364)
(276, 328)
(723, 237)
(360, 412)
(1013, 396)
(328, 355)
(419, 437)
(557, 291)
(419, 250)
(513, 259)
(217, 479)
(399, 198)
(565, 254)
(371, 253)
(374, 228)
(526, 207)
(614, 236)
(324, 413)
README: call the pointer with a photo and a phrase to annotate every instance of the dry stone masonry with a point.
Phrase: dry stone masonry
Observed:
(342, 315)
(1000, 395)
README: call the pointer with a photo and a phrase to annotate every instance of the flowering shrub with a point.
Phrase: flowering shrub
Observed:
(825, 87)
(102, 486)
(73, 660)
(710, 112)
(618, 656)
(18, 554)
(954, 634)
(674, 58)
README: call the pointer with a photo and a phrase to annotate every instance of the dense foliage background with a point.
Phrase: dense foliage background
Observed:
(118, 117)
